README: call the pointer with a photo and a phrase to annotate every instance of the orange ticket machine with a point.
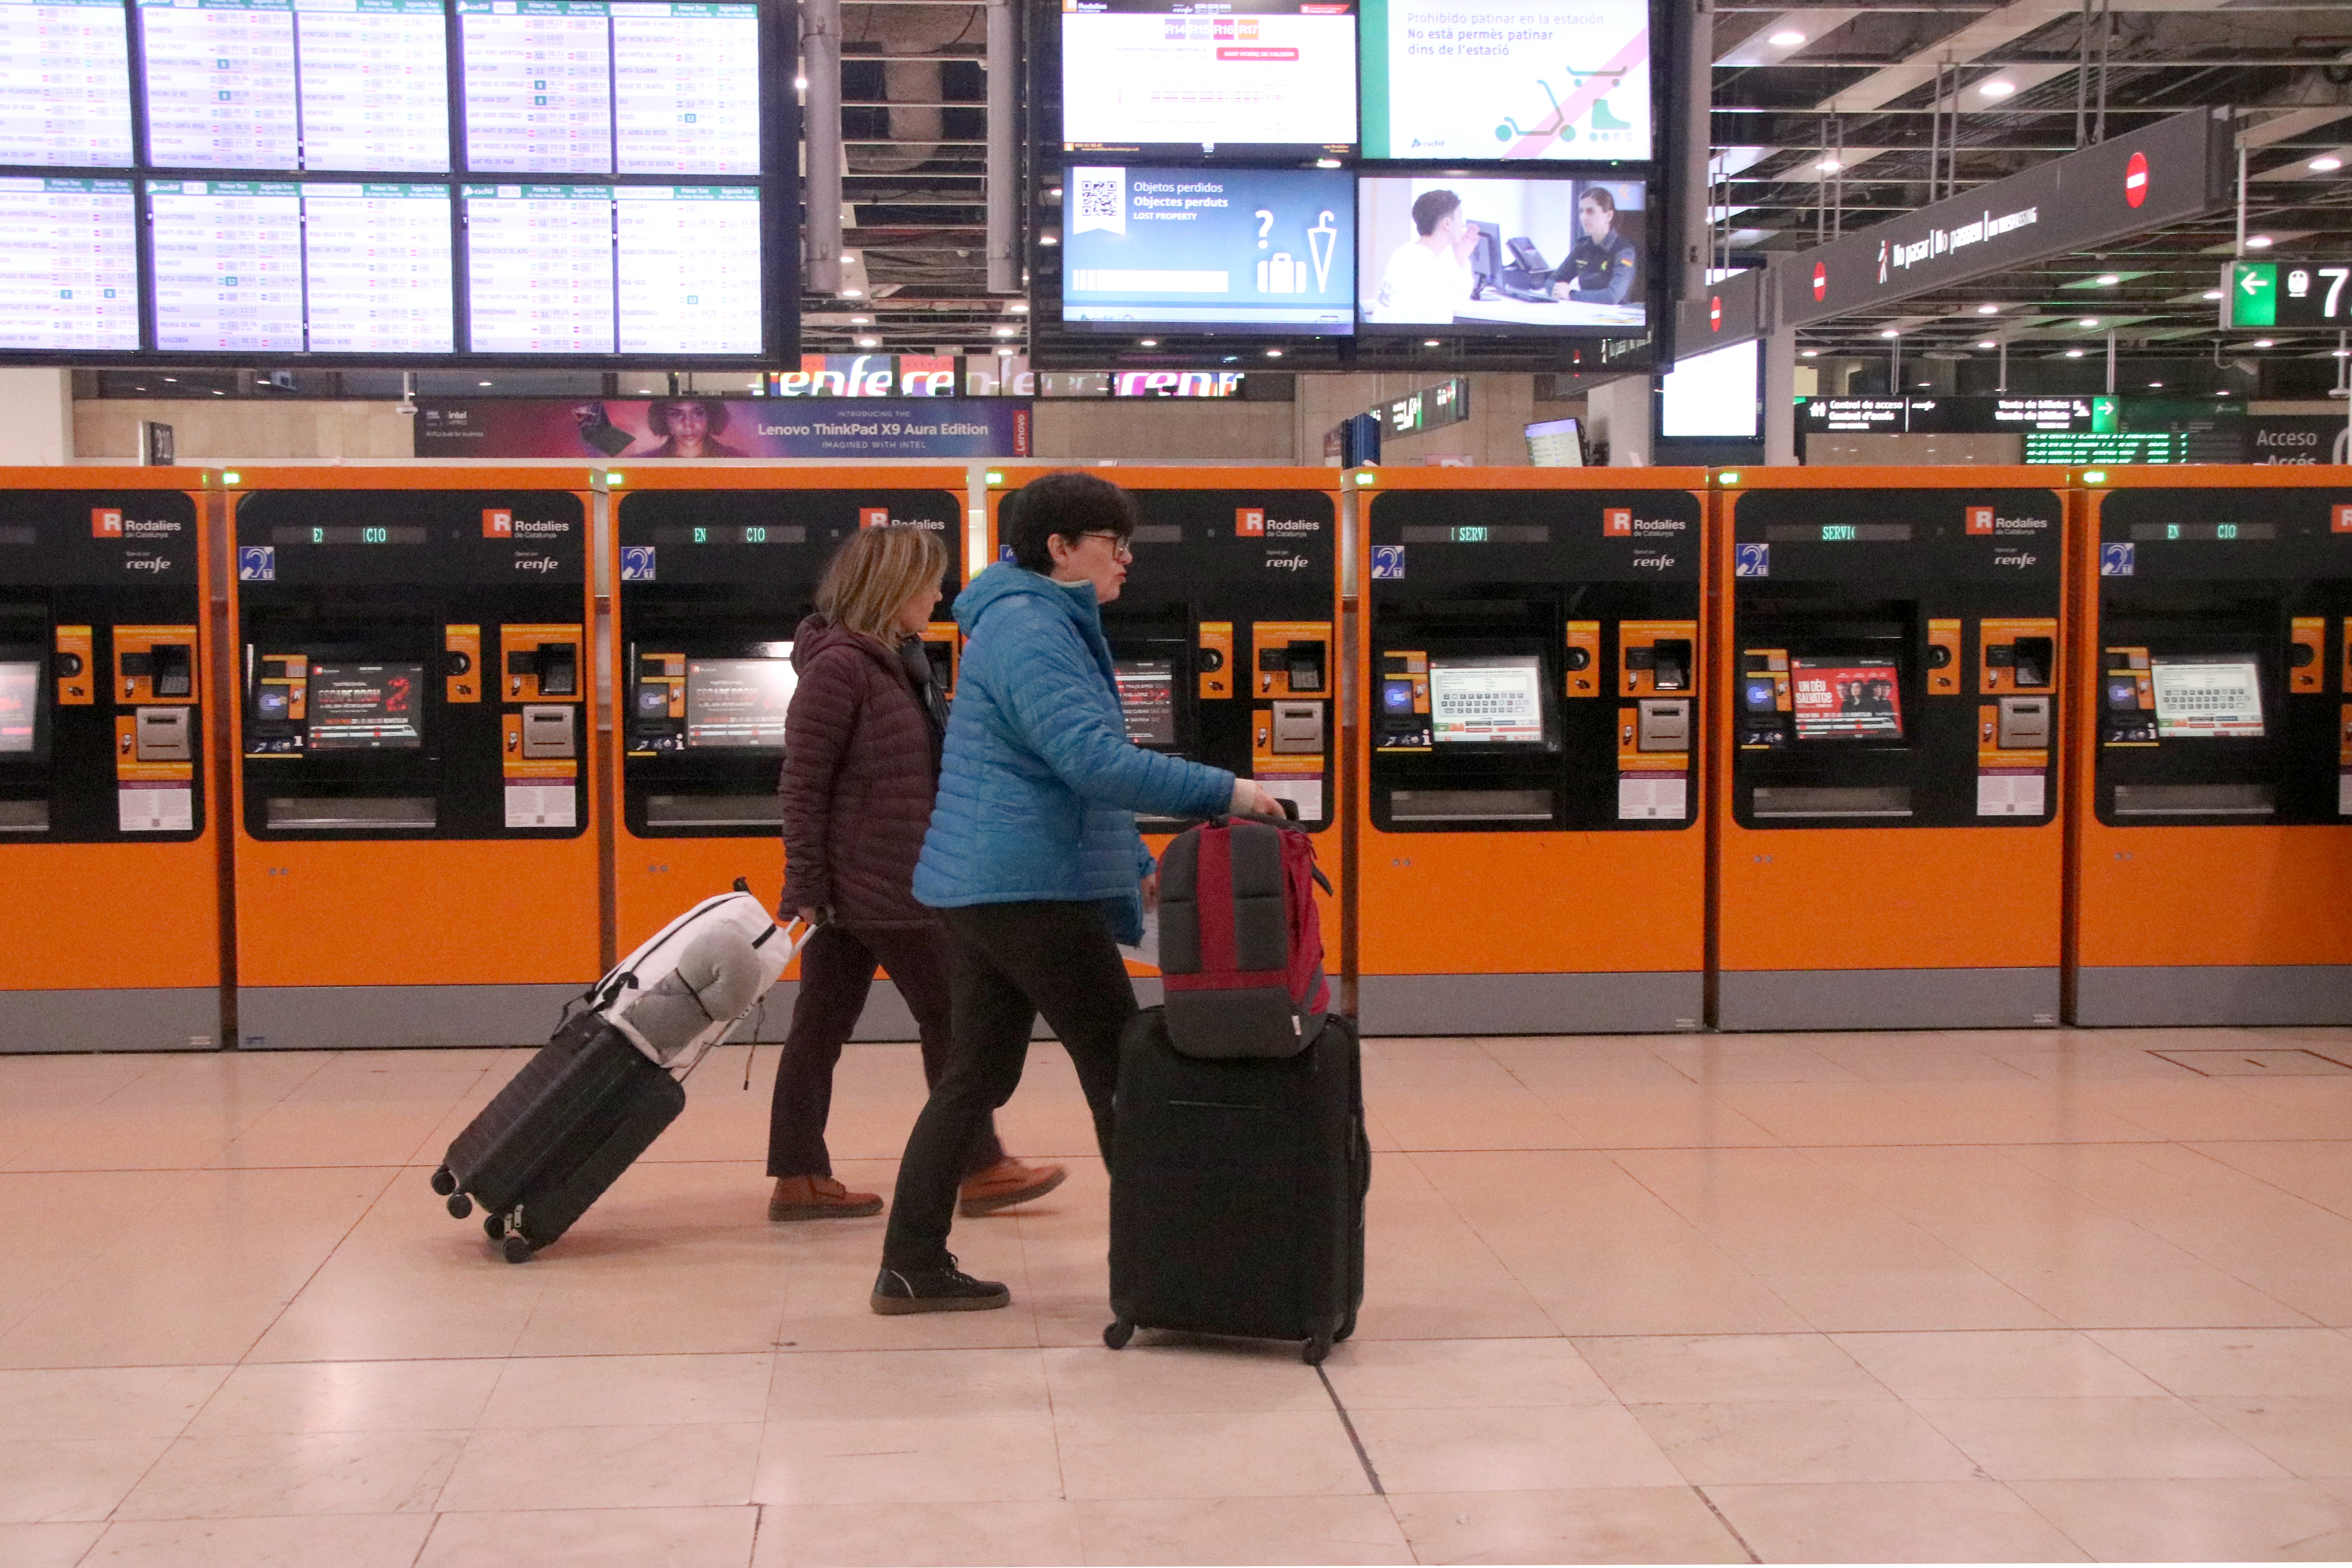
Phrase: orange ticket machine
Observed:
(2214, 721)
(1890, 853)
(1530, 858)
(1224, 640)
(712, 571)
(109, 833)
(415, 858)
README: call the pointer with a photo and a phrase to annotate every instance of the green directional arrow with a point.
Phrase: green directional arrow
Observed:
(2253, 295)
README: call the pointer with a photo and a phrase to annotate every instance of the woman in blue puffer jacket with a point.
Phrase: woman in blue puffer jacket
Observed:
(1033, 854)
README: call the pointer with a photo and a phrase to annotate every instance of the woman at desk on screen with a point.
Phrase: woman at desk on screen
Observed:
(1428, 277)
(1599, 267)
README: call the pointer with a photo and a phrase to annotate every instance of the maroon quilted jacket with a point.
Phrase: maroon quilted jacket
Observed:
(861, 767)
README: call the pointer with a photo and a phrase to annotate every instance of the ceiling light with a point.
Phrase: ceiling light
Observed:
(853, 293)
(2156, 384)
(1018, 308)
(2325, 163)
(1007, 332)
(1829, 165)
(1147, 342)
(1808, 353)
(1274, 354)
(869, 342)
(1326, 162)
(800, 84)
(2106, 280)
(481, 383)
(1987, 310)
(1432, 342)
(2265, 342)
(2211, 294)
(2258, 242)
(1049, 239)
(1987, 343)
(861, 321)
(1999, 86)
(1787, 38)
(2074, 353)
(1888, 333)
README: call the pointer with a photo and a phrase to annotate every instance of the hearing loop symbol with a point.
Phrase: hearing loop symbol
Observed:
(1321, 242)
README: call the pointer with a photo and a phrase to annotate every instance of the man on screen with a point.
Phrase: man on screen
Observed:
(1600, 265)
(1428, 277)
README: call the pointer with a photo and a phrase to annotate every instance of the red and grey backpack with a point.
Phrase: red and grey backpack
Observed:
(1241, 943)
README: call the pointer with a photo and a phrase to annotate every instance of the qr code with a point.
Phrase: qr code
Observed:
(1101, 197)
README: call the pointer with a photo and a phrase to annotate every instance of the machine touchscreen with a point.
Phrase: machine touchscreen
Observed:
(738, 701)
(20, 689)
(1147, 697)
(2210, 694)
(1493, 699)
(1846, 698)
(365, 707)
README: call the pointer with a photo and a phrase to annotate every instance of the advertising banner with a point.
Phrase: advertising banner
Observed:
(695, 427)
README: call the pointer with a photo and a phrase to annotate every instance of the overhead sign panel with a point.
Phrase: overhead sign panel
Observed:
(2286, 294)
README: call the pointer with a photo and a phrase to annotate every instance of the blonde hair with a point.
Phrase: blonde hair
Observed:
(875, 571)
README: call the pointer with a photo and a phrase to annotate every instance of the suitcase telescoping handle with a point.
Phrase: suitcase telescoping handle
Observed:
(795, 942)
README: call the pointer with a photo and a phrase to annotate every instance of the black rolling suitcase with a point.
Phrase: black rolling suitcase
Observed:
(1239, 1164)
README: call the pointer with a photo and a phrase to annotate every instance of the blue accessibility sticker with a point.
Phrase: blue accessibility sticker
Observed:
(1388, 560)
(256, 564)
(2117, 560)
(637, 564)
(1751, 560)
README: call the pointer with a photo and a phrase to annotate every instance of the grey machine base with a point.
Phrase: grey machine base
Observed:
(180, 1018)
(359, 1017)
(887, 1015)
(1887, 999)
(1666, 1001)
(2248, 995)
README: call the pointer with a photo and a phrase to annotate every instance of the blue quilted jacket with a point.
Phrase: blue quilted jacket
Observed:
(1040, 784)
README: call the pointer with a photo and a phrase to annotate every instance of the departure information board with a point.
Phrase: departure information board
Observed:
(374, 78)
(375, 263)
(220, 84)
(72, 278)
(65, 83)
(228, 265)
(539, 86)
(685, 89)
(540, 268)
(689, 269)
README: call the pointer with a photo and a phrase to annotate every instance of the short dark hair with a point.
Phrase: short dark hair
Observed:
(1066, 505)
(658, 413)
(1430, 207)
(1599, 195)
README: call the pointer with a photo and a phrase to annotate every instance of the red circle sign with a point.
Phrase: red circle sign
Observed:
(1820, 280)
(1714, 313)
(2136, 180)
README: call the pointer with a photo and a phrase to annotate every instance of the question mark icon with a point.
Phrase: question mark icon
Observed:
(1265, 226)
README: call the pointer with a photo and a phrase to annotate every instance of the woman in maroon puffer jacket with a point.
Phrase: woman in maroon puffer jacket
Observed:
(862, 745)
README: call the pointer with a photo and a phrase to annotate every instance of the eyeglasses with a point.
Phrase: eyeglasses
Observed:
(1120, 548)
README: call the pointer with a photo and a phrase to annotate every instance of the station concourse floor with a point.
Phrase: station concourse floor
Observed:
(1932, 1297)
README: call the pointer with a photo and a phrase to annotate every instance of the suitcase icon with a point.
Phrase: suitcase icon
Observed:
(1279, 274)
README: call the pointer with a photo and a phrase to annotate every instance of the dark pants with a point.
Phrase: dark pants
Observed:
(1012, 963)
(836, 973)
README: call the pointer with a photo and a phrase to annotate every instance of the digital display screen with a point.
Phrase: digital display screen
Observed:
(685, 89)
(220, 84)
(1147, 697)
(1556, 444)
(1509, 258)
(1846, 698)
(377, 269)
(1837, 533)
(1487, 699)
(374, 82)
(345, 534)
(745, 534)
(65, 83)
(688, 269)
(72, 278)
(1260, 250)
(365, 707)
(2153, 533)
(1715, 395)
(1454, 80)
(1163, 76)
(228, 265)
(20, 696)
(1475, 534)
(2213, 694)
(540, 261)
(738, 701)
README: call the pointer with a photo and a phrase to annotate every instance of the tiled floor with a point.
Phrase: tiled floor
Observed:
(1834, 1298)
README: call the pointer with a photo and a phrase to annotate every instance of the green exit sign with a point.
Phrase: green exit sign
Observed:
(2286, 294)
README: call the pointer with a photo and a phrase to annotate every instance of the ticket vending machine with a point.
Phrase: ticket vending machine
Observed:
(2214, 797)
(1891, 852)
(108, 834)
(1224, 640)
(1531, 857)
(415, 857)
(713, 570)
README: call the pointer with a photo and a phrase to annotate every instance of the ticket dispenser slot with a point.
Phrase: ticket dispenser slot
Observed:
(2024, 724)
(164, 735)
(547, 731)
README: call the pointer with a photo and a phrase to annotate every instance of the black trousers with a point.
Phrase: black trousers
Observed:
(836, 974)
(1012, 963)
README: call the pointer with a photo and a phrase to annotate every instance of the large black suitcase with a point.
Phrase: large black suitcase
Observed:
(1237, 1190)
(578, 1115)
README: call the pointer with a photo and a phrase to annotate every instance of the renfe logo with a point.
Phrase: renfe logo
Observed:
(2341, 519)
(106, 523)
(1617, 522)
(873, 517)
(2136, 180)
(498, 522)
(1249, 521)
(1979, 519)
(1820, 280)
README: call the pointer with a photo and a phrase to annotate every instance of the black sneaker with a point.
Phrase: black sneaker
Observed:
(946, 1289)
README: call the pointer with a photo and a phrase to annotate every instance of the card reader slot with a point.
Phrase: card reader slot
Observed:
(352, 812)
(1786, 802)
(1470, 806)
(714, 811)
(2195, 800)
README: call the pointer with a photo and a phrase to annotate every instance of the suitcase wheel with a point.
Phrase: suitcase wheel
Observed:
(519, 1249)
(495, 1227)
(1315, 1350)
(1117, 1334)
(443, 1181)
(460, 1205)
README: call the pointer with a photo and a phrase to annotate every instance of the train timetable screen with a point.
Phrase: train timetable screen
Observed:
(1491, 698)
(20, 691)
(2219, 694)
(1841, 698)
(72, 278)
(1167, 74)
(738, 701)
(1146, 698)
(65, 83)
(365, 707)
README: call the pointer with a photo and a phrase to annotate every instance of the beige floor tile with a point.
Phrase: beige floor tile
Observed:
(1481, 1374)
(1893, 1522)
(254, 1474)
(907, 1385)
(1591, 1524)
(2197, 1520)
(605, 1467)
(587, 1538)
(2189, 1297)
(918, 1535)
(930, 1459)
(45, 1545)
(104, 1401)
(629, 1391)
(349, 1397)
(1780, 1441)
(2309, 1437)
(1282, 1453)
(2319, 1290)
(54, 1479)
(1519, 1448)
(1176, 1374)
(2029, 1365)
(1620, 1297)
(2239, 1360)
(85, 1322)
(347, 1540)
(1714, 1369)
(401, 1314)
(1899, 1298)
(1240, 1531)
(2092, 1439)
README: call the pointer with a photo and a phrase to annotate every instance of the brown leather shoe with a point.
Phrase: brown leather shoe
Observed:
(1007, 1182)
(820, 1197)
